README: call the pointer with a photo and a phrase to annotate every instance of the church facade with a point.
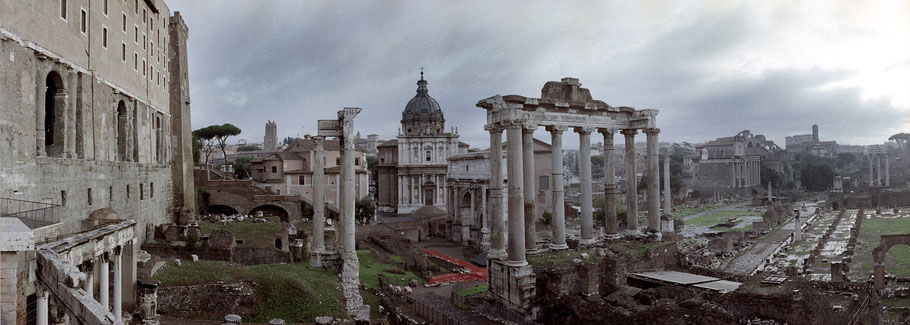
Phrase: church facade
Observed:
(412, 168)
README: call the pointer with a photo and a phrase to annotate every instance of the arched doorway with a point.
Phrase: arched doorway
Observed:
(221, 209)
(54, 115)
(121, 131)
(269, 210)
(878, 256)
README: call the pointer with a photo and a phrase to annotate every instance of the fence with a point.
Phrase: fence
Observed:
(33, 214)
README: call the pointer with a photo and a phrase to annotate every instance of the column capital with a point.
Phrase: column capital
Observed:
(528, 127)
(628, 132)
(512, 124)
(651, 130)
(585, 130)
(493, 127)
(556, 129)
(607, 131)
(87, 266)
(117, 250)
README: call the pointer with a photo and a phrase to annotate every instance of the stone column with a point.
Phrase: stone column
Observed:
(871, 168)
(769, 192)
(887, 172)
(529, 187)
(484, 219)
(668, 196)
(733, 168)
(118, 283)
(515, 168)
(878, 170)
(559, 207)
(41, 309)
(653, 181)
(319, 197)
(497, 237)
(347, 175)
(586, 198)
(611, 228)
(631, 186)
(88, 285)
(104, 282)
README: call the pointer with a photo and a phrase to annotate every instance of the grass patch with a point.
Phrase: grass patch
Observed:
(253, 234)
(371, 268)
(561, 258)
(897, 259)
(293, 292)
(476, 290)
(710, 219)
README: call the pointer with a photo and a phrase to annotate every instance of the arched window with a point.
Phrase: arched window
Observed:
(54, 117)
(429, 155)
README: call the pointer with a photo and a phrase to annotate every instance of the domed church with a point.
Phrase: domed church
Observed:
(412, 168)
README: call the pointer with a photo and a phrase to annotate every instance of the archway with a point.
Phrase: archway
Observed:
(222, 209)
(465, 206)
(878, 256)
(269, 210)
(54, 115)
(121, 131)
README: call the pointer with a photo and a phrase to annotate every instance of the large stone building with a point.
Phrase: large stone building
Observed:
(96, 122)
(809, 144)
(412, 168)
(468, 183)
(731, 164)
(291, 171)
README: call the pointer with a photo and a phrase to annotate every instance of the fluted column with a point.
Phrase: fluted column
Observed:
(586, 198)
(484, 218)
(41, 308)
(653, 181)
(104, 282)
(497, 235)
(559, 207)
(668, 196)
(516, 248)
(118, 283)
(529, 187)
(887, 172)
(347, 177)
(611, 225)
(319, 196)
(631, 186)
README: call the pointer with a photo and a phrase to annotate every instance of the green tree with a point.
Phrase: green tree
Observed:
(903, 139)
(242, 167)
(197, 148)
(287, 141)
(365, 209)
(372, 162)
(768, 175)
(816, 176)
(221, 133)
(206, 138)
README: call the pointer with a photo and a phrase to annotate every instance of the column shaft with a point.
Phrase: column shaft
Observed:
(497, 236)
(118, 284)
(871, 167)
(319, 196)
(89, 283)
(611, 225)
(104, 283)
(586, 198)
(347, 197)
(41, 309)
(878, 170)
(631, 185)
(653, 181)
(887, 172)
(527, 151)
(668, 197)
(559, 212)
(516, 248)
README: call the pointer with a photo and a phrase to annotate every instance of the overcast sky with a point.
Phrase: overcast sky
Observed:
(711, 68)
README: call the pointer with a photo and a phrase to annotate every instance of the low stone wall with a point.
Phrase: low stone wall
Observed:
(253, 256)
(212, 299)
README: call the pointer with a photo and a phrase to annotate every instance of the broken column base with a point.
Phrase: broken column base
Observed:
(315, 260)
(350, 284)
(513, 286)
(667, 223)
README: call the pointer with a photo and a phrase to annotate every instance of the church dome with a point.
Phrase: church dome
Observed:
(422, 115)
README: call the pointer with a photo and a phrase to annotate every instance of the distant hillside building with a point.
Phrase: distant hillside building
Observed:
(412, 168)
(809, 144)
(730, 164)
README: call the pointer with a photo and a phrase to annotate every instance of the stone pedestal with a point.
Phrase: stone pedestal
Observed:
(513, 286)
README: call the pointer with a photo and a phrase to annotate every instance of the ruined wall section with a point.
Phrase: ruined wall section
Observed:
(182, 160)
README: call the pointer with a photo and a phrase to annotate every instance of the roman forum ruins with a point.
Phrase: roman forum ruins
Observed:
(562, 106)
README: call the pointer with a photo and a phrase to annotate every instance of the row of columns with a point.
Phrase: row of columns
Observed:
(522, 237)
(104, 288)
(746, 173)
(407, 195)
(465, 217)
(875, 170)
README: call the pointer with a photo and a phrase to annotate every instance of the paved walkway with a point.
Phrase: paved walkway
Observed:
(749, 260)
(723, 208)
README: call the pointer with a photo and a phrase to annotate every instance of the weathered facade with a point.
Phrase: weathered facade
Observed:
(419, 167)
(730, 164)
(95, 114)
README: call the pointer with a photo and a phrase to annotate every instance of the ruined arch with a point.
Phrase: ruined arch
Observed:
(878, 255)
(122, 131)
(222, 209)
(51, 141)
(465, 206)
(270, 210)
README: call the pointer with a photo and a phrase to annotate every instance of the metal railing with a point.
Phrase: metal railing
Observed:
(32, 214)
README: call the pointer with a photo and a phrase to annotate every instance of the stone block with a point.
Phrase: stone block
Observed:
(720, 245)
(221, 239)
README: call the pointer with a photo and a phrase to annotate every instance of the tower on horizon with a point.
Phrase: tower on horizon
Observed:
(270, 142)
